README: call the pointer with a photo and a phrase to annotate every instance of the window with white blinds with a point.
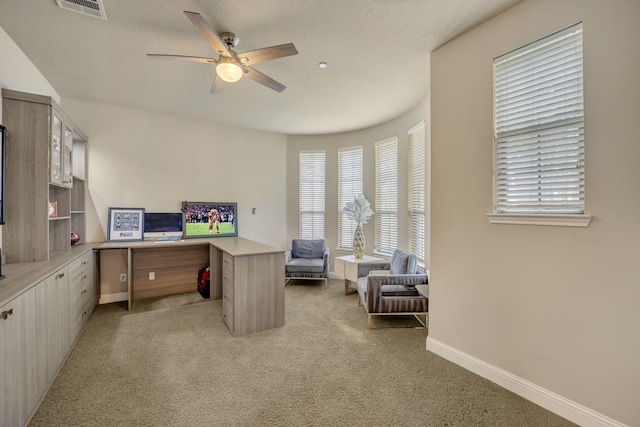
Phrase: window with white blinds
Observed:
(417, 191)
(539, 127)
(349, 185)
(386, 217)
(312, 174)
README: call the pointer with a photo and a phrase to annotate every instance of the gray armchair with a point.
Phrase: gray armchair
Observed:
(307, 259)
(393, 290)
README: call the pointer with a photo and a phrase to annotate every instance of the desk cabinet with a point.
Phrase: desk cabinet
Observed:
(250, 277)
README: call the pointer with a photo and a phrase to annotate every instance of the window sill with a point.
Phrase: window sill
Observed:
(561, 220)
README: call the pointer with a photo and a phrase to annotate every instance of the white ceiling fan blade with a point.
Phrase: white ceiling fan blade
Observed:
(267, 54)
(183, 58)
(216, 87)
(208, 32)
(257, 76)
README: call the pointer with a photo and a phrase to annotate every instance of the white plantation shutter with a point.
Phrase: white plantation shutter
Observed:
(349, 185)
(417, 191)
(312, 167)
(539, 126)
(386, 211)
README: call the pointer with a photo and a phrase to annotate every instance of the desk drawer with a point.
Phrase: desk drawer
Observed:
(227, 264)
(227, 314)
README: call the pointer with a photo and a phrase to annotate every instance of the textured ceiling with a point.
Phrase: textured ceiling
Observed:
(377, 53)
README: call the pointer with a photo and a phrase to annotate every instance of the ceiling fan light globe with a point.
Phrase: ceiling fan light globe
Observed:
(229, 72)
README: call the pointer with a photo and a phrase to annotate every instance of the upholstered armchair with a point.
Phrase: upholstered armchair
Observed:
(307, 259)
(389, 287)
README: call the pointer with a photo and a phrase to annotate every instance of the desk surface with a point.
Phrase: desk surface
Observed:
(236, 246)
(21, 276)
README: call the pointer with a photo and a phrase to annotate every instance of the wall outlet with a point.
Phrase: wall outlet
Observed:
(152, 275)
(123, 277)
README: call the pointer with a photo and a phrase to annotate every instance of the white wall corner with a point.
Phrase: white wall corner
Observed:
(549, 400)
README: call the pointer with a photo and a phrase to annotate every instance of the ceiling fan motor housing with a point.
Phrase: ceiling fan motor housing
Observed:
(230, 39)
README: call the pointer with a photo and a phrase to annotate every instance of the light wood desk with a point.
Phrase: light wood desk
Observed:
(248, 276)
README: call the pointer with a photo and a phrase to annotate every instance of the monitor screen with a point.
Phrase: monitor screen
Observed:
(157, 225)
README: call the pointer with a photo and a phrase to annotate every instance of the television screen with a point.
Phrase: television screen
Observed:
(159, 225)
(209, 219)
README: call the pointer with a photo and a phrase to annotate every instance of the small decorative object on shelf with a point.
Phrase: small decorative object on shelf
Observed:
(360, 211)
(75, 238)
(53, 209)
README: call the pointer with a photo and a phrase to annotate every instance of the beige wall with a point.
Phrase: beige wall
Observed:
(154, 161)
(556, 306)
(331, 143)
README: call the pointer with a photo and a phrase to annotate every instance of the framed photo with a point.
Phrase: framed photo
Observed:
(209, 219)
(53, 209)
(125, 225)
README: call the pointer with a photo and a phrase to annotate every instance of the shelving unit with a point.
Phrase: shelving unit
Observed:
(46, 162)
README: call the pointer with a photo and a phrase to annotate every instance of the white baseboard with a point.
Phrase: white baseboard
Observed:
(108, 298)
(549, 400)
(333, 275)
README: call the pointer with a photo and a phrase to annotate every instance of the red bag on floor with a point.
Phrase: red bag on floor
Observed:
(204, 281)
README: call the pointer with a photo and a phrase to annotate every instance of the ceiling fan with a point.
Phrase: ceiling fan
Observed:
(231, 66)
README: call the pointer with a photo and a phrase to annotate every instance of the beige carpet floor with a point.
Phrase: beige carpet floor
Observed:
(172, 362)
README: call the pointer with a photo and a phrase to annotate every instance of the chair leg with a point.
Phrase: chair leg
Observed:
(369, 322)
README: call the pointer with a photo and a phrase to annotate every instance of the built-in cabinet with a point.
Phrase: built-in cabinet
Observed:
(45, 201)
(18, 386)
(46, 172)
(38, 329)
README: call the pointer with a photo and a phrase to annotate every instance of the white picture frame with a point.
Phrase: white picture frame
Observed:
(125, 225)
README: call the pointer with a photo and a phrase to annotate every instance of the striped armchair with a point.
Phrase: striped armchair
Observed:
(388, 287)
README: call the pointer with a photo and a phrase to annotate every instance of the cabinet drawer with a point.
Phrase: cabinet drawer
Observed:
(78, 320)
(80, 266)
(227, 287)
(81, 282)
(227, 264)
(227, 314)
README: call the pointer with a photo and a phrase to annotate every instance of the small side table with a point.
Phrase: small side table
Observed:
(347, 267)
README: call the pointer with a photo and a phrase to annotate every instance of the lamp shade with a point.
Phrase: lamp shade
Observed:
(228, 71)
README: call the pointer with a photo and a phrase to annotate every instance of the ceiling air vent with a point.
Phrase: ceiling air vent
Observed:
(93, 8)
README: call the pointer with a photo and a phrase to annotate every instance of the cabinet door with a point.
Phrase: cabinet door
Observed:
(18, 391)
(67, 150)
(52, 325)
(56, 149)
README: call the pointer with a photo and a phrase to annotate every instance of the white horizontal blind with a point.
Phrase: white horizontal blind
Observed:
(417, 187)
(349, 185)
(386, 196)
(312, 184)
(539, 126)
